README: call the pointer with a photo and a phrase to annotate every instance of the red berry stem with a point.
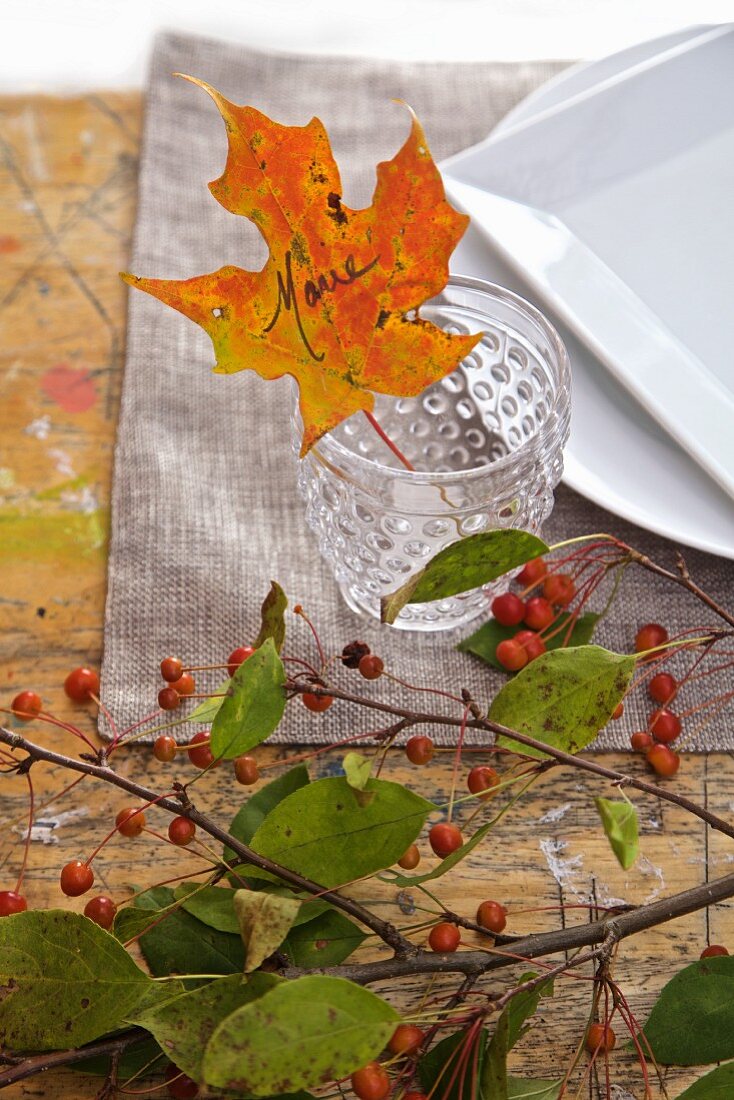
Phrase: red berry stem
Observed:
(298, 610)
(44, 716)
(388, 441)
(27, 844)
(457, 762)
(108, 718)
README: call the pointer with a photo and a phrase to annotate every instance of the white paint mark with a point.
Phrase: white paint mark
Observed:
(620, 1093)
(43, 830)
(649, 870)
(39, 428)
(555, 814)
(566, 872)
(36, 158)
(28, 206)
(12, 372)
(7, 477)
(86, 137)
(62, 462)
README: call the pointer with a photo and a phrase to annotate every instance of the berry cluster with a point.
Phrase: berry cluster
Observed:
(664, 725)
(534, 617)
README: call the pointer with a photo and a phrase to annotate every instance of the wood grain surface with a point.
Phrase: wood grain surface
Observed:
(67, 204)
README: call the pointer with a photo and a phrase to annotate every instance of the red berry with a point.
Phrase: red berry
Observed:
(130, 822)
(511, 655)
(618, 712)
(27, 705)
(76, 878)
(371, 1083)
(353, 653)
(185, 685)
(538, 613)
(101, 910)
(246, 770)
(171, 669)
(371, 666)
(164, 748)
(181, 831)
(492, 916)
(508, 609)
(11, 902)
(201, 755)
(481, 780)
(316, 703)
(445, 839)
(650, 636)
(641, 741)
(663, 687)
(419, 749)
(168, 698)
(237, 657)
(531, 642)
(664, 725)
(532, 571)
(406, 1039)
(444, 938)
(713, 950)
(81, 684)
(180, 1087)
(410, 859)
(600, 1037)
(663, 760)
(559, 589)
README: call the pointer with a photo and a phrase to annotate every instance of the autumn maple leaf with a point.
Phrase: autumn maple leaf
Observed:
(329, 306)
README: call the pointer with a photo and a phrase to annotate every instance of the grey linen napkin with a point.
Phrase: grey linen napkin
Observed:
(205, 509)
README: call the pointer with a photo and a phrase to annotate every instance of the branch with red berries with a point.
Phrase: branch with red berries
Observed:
(275, 911)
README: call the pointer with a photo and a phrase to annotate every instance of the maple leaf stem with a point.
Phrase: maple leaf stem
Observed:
(388, 441)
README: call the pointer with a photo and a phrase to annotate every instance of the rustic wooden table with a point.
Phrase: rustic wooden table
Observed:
(67, 204)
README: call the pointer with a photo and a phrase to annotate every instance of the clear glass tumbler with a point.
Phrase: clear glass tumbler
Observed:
(486, 442)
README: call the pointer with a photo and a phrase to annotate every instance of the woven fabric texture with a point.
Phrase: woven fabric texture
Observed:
(205, 509)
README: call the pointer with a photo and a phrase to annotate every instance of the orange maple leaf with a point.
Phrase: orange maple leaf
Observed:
(329, 306)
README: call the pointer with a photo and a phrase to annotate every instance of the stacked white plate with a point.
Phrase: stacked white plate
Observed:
(606, 197)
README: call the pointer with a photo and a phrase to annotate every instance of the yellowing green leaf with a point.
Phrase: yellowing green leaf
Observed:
(272, 617)
(63, 981)
(264, 920)
(563, 698)
(468, 563)
(621, 827)
(298, 1035)
(183, 1024)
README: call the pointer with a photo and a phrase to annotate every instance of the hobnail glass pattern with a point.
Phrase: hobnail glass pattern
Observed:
(486, 443)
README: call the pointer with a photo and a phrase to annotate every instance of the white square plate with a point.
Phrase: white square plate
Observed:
(616, 206)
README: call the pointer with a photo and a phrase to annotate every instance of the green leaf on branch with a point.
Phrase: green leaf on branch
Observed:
(357, 769)
(326, 940)
(621, 827)
(563, 698)
(717, 1085)
(272, 617)
(692, 1021)
(252, 813)
(322, 832)
(64, 981)
(439, 1069)
(212, 905)
(298, 1035)
(253, 706)
(468, 563)
(519, 1088)
(483, 642)
(172, 942)
(265, 920)
(183, 1025)
(208, 710)
(493, 1077)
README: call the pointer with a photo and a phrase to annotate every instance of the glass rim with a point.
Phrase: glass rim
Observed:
(527, 448)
